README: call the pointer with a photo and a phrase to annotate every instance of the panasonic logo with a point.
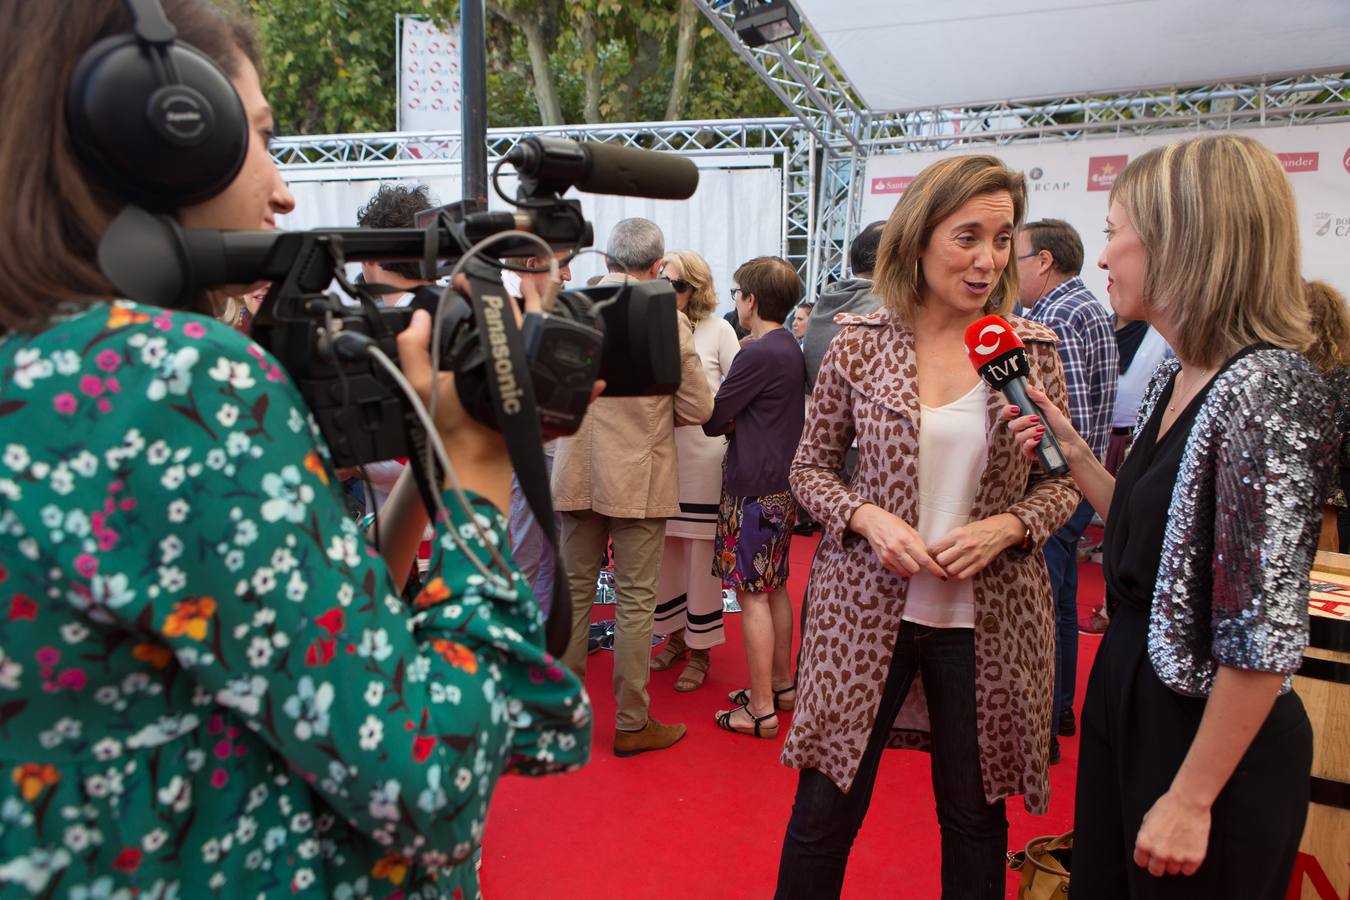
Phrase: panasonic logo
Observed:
(500, 354)
(192, 116)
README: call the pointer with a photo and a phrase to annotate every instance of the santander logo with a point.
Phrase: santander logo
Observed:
(1298, 162)
(894, 185)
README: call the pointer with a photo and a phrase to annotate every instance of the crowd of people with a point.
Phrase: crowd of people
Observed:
(227, 665)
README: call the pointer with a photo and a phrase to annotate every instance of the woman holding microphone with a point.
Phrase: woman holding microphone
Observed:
(1195, 755)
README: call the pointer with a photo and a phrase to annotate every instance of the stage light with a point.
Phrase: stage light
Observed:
(758, 24)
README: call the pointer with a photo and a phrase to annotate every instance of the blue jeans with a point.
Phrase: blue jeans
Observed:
(825, 820)
(1061, 560)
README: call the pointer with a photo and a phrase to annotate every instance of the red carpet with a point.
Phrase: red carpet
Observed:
(705, 818)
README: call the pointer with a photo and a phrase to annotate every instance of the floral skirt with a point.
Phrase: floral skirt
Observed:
(753, 534)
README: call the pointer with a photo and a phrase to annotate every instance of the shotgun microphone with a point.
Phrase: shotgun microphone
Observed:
(1000, 357)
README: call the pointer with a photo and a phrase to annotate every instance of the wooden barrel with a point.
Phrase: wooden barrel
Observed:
(1323, 683)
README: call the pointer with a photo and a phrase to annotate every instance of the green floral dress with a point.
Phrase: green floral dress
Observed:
(209, 685)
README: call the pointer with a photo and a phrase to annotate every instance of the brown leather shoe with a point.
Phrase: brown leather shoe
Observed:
(652, 736)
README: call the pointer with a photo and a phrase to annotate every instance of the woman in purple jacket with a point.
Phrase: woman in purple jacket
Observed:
(760, 405)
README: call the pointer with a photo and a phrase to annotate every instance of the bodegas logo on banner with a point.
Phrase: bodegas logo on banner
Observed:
(894, 185)
(1329, 224)
(1299, 162)
(1102, 171)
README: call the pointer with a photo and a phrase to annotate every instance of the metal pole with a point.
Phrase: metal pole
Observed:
(473, 76)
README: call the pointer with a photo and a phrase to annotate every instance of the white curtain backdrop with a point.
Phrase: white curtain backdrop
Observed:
(736, 213)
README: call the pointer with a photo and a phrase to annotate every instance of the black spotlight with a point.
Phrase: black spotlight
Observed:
(758, 24)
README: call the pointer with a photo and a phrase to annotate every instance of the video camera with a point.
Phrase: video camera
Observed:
(623, 333)
(343, 358)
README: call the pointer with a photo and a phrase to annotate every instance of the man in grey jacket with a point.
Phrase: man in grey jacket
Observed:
(851, 295)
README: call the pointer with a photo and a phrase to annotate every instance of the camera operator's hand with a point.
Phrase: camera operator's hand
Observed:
(477, 452)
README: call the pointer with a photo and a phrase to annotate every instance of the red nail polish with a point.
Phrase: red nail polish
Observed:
(1035, 418)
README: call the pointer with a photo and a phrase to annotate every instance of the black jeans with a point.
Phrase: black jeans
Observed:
(825, 820)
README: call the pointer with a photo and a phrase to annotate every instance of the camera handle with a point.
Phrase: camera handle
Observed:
(512, 391)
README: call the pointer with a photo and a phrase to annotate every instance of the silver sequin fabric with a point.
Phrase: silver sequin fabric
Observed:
(1243, 525)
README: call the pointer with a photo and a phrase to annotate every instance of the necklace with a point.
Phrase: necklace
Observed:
(1177, 396)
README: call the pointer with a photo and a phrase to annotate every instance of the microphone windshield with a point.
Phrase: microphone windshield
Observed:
(633, 172)
(996, 351)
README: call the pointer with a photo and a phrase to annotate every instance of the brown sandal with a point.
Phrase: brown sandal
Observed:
(742, 697)
(674, 651)
(723, 719)
(695, 671)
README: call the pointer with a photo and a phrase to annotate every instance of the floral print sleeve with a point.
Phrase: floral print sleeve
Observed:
(208, 679)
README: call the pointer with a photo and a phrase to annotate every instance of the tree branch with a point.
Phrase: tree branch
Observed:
(684, 61)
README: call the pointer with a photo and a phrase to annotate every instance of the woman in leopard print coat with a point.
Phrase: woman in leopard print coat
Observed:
(939, 641)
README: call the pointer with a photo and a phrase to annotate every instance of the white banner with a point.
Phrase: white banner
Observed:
(430, 93)
(736, 213)
(1070, 180)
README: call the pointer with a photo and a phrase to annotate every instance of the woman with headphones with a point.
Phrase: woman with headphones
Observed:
(208, 680)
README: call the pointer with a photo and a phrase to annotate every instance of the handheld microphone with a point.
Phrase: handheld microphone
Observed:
(604, 168)
(1000, 357)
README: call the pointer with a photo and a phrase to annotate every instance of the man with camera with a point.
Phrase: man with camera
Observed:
(615, 480)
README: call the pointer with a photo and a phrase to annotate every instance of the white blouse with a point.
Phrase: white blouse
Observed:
(953, 451)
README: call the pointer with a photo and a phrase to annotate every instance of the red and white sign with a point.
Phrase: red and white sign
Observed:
(1345, 160)
(430, 94)
(891, 185)
(1298, 162)
(1102, 171)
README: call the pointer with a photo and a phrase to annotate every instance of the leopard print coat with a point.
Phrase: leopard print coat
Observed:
(867, 388)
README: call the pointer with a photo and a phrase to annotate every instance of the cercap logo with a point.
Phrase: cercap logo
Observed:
(1035, 173)
(991, 331)
(1102, 171)
(894, 185)
(1299, 162)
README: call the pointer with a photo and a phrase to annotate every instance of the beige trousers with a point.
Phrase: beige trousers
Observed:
(638, 546)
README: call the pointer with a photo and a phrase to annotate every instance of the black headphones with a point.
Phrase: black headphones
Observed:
(154, 120)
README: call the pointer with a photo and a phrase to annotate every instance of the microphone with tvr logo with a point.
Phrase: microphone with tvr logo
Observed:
(1000, 357)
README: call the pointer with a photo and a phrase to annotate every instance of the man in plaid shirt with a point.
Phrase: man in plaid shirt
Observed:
(1049, 258)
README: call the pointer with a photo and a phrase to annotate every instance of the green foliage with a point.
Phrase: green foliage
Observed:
(329, 65)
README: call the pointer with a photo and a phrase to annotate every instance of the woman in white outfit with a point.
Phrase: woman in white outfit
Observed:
(689, 596)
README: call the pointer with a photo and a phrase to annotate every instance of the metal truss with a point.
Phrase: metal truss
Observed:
(714, 136)
(1286, 100)
(822, 151)
(801, 73)
(795, 151)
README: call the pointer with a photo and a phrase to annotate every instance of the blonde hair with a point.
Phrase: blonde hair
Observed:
(940, 190)
(1330, 348)
(1217, 220)
(694, 269)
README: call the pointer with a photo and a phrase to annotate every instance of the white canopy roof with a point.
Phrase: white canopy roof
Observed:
(906, 54)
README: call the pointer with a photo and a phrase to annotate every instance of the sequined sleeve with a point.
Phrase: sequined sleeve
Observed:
(1273, 463)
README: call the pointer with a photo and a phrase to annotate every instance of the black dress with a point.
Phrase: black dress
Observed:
(1136, 731)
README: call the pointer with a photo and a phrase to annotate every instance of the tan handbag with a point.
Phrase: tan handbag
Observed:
(1044, 867)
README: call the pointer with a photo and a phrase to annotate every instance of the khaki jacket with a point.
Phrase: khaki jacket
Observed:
(621, 462)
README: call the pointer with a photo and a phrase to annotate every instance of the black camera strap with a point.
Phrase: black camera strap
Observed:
(512, 390)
